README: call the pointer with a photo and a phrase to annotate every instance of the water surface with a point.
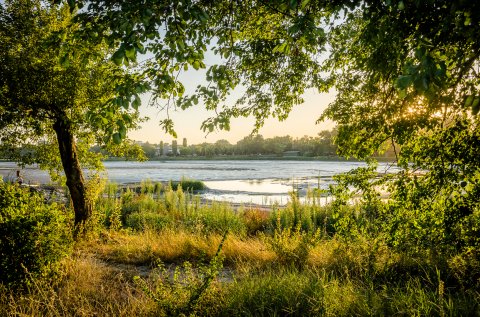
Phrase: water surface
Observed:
(243, 181)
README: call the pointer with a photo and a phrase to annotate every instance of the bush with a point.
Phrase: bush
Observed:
(188, 184)
(34, 236)
(256, 220)
(292, 245)
(151, 220)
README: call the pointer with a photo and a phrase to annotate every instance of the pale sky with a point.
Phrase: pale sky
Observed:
(300, 122)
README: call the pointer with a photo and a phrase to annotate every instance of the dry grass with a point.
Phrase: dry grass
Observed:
(88, 287)
(358, 258)
(175, 247)
(335, 282)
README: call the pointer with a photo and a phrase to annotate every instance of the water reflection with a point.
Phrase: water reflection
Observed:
(259, 186)
(263, 191)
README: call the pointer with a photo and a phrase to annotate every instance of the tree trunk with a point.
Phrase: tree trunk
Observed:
(73, 172)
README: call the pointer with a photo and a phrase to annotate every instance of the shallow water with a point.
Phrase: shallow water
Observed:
(244, 181)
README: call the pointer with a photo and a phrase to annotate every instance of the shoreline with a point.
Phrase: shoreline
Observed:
(250, 158)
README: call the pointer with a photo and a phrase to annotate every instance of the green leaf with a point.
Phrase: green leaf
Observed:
(117, 139)
(421, 83)
(281, 48)
(403, 82)
(126, 118)
(118, 56)
(122, 131)
(71, 4)
(130, 53)
(136, 102)
(304, 3)
(65, 61)
(196, 65)
(124, 103)
(140, 48)
(468, 101)
(476, 106)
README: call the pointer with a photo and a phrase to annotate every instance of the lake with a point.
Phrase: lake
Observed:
(240, 181)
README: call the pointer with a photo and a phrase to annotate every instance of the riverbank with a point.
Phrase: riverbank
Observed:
(254, 158)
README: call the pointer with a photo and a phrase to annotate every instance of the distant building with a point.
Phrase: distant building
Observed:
(164, 149)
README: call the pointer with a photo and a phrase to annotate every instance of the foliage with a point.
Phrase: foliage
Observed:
(406, 73)
(292, 246)
(34, 236)
(256, 220)
(189, 185)
(180, 295)
(148, 220)
(56, 95)
(276, 66)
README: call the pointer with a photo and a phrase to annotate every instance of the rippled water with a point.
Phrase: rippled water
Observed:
(259, 182)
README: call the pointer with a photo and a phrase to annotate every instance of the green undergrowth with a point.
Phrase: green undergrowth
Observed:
(156, 252)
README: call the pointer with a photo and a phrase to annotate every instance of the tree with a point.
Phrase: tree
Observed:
(55, 94)
(184, 143)
(149, 150)
(324, 142)
(223, 147)
(277, 145)
(407, 74)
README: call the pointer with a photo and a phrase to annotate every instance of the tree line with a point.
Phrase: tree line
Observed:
(320, 145)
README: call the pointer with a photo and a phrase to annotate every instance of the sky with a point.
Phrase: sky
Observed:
(300, 122)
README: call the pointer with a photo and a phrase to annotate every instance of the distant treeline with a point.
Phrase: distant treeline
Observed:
(321, 145)
(282, 146)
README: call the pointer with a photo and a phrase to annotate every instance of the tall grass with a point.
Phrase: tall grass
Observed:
(304, 259)
(90, 287)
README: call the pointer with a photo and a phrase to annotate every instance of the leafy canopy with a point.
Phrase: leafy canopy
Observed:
(47, 76)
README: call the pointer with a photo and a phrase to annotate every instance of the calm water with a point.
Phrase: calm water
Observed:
(260, 182)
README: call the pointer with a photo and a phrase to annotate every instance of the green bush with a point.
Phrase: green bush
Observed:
(131, 204)
(151, 220)
(188, 184)
(34, 236)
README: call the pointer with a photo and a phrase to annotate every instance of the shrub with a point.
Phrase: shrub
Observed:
(34, 236)
(292, 245)
(141, 203)
(188, 184)
(255, 220)
(111, 189)
(218, 218)
(147, 186)
(143, 220)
